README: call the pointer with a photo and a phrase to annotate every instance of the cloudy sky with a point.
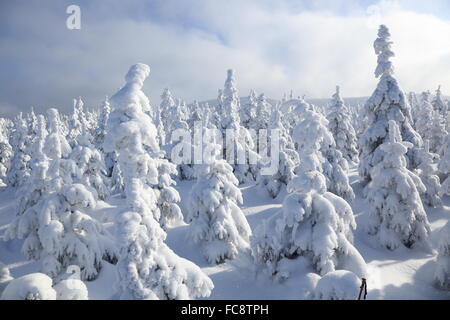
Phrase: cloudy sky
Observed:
(274, 46)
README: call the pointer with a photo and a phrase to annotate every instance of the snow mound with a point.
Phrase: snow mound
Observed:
(338, 285)
(33, 286)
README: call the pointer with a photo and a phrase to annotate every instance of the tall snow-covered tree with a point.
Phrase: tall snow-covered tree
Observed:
(5, 151)
(242, 142)
(332, 163)
(313, 225)
(342, 129)
(75, 121)
(165, 110)
(147, 267)
(216, 221)
(397, 216)
(424, 120)
(288, 159)
(427, 169)
(20, 141)
(415, 109)
(262, 113)
(100, 131)
(439, 104)
(437, 132)
(230, 101)
(248, 110)
(387, 103)
(91, 164)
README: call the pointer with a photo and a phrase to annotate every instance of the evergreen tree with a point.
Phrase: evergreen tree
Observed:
(442, 272)
(342, 129)
(439, 104)
(313, 225)
(147, 268)
(387, 103)
(19, 171)
(397, 216)
(248, 110)
(427, 169)
(216, 221)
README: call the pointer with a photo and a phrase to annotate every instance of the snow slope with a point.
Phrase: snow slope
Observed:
(402, 274)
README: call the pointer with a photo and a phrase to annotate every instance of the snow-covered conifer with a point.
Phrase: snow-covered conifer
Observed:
(288, 159)
(342, 129)
(90, 163)
(75, 121)
(19, 170)
(216, 221)
(387, 103)
(439, 104)
(313, 224)
(437, 132)
(248, 110)
(397, 216)
(147, 268)
(427, 169)
(230, 101)
(100, 131)
(262, 113)
(312, 126)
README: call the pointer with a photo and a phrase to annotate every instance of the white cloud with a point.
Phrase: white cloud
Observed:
(190, 46)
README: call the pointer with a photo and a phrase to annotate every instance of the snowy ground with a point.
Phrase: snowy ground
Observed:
(403, 274)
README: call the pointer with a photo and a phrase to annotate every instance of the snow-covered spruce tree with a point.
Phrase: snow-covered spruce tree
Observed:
(243, 143)
(75, 121)
(5, 156)
(195, 114)
(52, 217)
(313, 225)
(262, 113)
(397, 216)
(216, 221)
(165, 109)
(333, 164)
(91, 164)
(288, 159)
(444, 163)
(248, 110)
(437, 132)
(229, 102)
(19, 171)
(180, 149)
(439, 104)
(427, 170)
(387, 103)
(100, 131)
(426, 115)
(147, 267)
(342, 129)
(442, 272)
(415, 109)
